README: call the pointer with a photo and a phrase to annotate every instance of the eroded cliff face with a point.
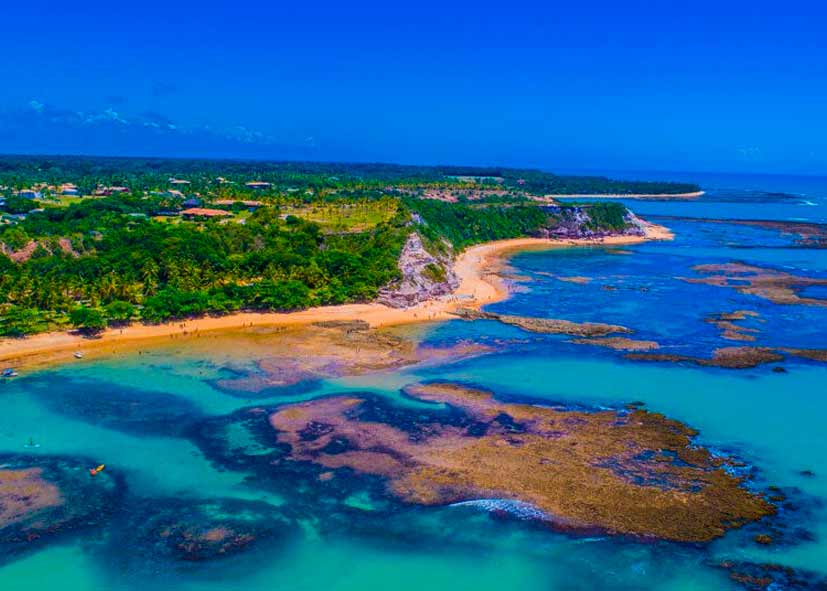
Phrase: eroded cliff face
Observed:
(424, 276)
(577, 222)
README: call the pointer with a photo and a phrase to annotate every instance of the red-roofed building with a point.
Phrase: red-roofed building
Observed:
(249, 203)
(204, 212)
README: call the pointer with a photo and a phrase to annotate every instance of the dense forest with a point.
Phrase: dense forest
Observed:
(320, 235)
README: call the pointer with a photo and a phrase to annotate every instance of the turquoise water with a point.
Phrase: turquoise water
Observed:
(163, 449)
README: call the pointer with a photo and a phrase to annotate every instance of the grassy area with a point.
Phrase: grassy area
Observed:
(354, 216)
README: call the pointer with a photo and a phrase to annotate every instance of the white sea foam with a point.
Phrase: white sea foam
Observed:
(518, 509)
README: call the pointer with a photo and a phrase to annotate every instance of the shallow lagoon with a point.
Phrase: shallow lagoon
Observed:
(774, 421)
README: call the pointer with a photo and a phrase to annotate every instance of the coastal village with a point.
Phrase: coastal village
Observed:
(182, 203)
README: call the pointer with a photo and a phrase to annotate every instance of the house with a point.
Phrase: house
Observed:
(68, 189)
(192, 202)
(181, 182)
(257, 185)
(29, 194)
(105, 191)
(174, 193)
(204, 212)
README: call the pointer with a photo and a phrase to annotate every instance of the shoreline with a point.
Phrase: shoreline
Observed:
(475, 268)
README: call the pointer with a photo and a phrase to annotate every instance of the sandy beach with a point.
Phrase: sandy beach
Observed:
(476, 269)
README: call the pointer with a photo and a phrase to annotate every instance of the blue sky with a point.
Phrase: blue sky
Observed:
(726, 85)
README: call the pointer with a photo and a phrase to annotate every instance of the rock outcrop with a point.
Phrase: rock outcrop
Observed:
(575, 222)
(424, 276)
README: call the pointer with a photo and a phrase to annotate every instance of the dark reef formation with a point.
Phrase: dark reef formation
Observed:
(772, 577)
(131, 410)
(43, 498)
(196, 529)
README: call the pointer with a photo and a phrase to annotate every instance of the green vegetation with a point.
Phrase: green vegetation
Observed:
(464, 225)
(87, 320)
(121, 266)
(314, 234)
(606, 216)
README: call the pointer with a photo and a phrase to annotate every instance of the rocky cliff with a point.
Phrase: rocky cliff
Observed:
(590, 222)
(424, 276)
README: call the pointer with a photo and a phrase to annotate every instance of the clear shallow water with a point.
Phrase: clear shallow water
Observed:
(772, 420)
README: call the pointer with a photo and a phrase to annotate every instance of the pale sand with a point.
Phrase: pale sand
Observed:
(475, 268)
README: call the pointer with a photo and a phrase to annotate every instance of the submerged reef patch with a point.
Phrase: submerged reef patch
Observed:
(122, 408)
(43, 498)
(726, 357)
(619, 343)
(755, 576)
(727, 323)
(629, 472)
(546, 325)
(333, 349)
(195, 529)
(778, 287)
(811, 354)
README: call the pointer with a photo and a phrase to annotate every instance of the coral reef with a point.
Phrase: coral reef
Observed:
(546, 325)
(196, 529)
(43, 498)
(726, 357)
(333, 349)
(778, 287)
(771, 577)
(726, 322)
(626, 472)
(619, 343)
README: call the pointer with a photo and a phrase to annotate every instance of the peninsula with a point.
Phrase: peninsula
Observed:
(100, 260)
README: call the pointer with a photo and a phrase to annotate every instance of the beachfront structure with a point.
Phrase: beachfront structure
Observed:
(257, 185)
(204, 212)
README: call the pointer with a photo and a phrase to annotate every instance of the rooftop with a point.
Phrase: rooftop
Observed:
(205, 212)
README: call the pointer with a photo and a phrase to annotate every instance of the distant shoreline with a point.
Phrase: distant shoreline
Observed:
(475, 269)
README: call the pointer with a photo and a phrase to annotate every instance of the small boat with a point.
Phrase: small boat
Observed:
(31, 444)
(96, 471)
(78, 355)
(9, 373)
